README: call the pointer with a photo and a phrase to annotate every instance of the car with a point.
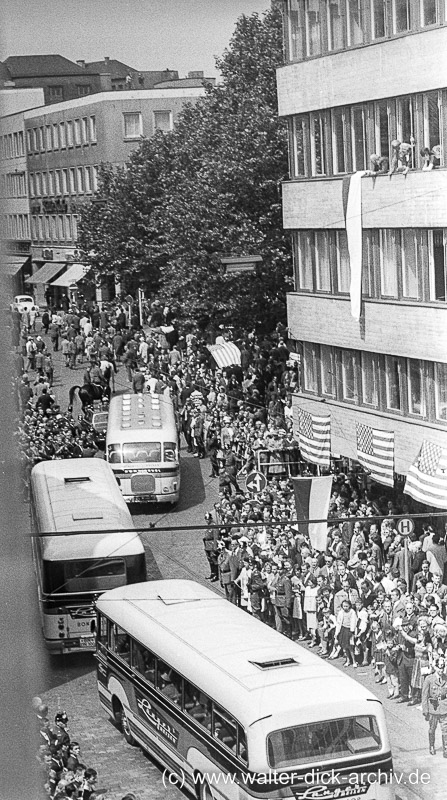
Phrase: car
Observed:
(23, 302)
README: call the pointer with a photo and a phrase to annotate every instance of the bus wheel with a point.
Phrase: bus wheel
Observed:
(122, 721)
(205, 792)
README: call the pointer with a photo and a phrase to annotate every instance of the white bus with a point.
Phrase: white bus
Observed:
(230, 706)
(142, 447)
(74, 504)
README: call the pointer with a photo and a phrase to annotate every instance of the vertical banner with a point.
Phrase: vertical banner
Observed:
(312, 496)
(352, 204)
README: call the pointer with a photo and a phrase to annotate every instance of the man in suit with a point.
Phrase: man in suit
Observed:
(230, 568)
(283, 601)
(347, 592)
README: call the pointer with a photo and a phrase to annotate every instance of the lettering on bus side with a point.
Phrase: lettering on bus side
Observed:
(331, 793)
(147, 711)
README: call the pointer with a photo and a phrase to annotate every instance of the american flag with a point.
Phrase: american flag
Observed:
(314, 437)
(427, 477)
(226, 354)
(375, 452)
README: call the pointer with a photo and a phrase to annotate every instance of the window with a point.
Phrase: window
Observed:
(432, 121)
(34, 231)
(224, 727)
(141, 452)
(55, 93)
(62, 135)
(88, 179)
(47, 228)
(401, 15)
(354, 22)
(68, 233)
(84, 89)
(317, 741)
(29, 142)
(42, 139)
(144, 662)
(338, 140)
(69, 133)
(58, 182)
(295, 31)
(169, 682)
(51, 183)
(32, 191)
(40, 229)
(323, 261)
(81, 183)
(437, 266)
(310, 367)
(93, 129)
(37, 140)
(65, 181)
(298, 150)
(120, 642)
(197, 704)
(163, 121)
(317, 147)
(327, 365)
(343, 264)
(334, 24)
(370, 379)
(85, 130)
(49, 136)
(388, 263)
(383, 136)
(44, 183)
(305, 259)
(74, 226)
(77, 132)
(38, 183)
(416, 399)
(60, 227)
(429, 13)
(441, 391)
(378, 18)
(405, 123)
(55, 136)
(20, 144)
(95, 178)
(313, 27)
(72, 175)
(393, 383)
(358, 138)
(410, 279)
(349, 375)
(133, 125)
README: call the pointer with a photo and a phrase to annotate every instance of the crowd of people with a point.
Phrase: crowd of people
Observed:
(65, 776)
(355, 600)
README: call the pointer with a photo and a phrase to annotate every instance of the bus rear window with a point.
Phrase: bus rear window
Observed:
(321, 741)
(84, 575)
(114, 453)
(141, 452)
(170, 450)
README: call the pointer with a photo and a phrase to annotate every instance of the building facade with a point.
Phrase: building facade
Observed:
(365, 78)
(64, 144)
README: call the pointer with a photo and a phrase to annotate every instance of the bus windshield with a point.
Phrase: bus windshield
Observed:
(141, 452)
(320, 741)
(84, 575)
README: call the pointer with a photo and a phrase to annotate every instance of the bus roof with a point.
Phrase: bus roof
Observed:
(230, 655)
(88, 545)
(80, 497)
(141, 417)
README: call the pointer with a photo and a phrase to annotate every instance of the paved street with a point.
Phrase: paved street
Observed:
(69, 683)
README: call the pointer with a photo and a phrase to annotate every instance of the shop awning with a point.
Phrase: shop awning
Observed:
(74, 274)
(47, 272)
(14, 265)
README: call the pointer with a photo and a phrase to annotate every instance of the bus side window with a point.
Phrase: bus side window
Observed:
(102, 631)
(143, 661)
(121, 643)
(169, 682)
(197, 704)
(241, 745)
(224, 728)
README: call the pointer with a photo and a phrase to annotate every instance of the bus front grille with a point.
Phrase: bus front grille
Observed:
(142, 484)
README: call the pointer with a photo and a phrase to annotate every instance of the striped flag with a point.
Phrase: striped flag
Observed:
(312, 496)
(314, 436)
(427, 477)
(375, 452)
(352, 206)
(225, 355)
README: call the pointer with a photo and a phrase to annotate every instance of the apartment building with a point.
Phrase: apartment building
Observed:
(358, 76)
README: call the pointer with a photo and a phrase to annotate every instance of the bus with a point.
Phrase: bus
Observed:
(75, 503)
(229, 706)
(142, 447)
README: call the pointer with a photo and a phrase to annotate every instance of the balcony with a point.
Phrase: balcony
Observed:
(407, 329)
(415, 200)
(405, 65)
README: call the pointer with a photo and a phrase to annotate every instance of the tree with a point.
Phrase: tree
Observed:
(209, 188)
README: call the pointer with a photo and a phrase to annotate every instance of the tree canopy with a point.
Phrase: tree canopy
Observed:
(208, 189)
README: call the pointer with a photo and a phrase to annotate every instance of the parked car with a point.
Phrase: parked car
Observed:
(23, 302)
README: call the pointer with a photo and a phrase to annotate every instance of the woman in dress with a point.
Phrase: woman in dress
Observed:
(298, 627)
(345, 630)
(310, 609)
